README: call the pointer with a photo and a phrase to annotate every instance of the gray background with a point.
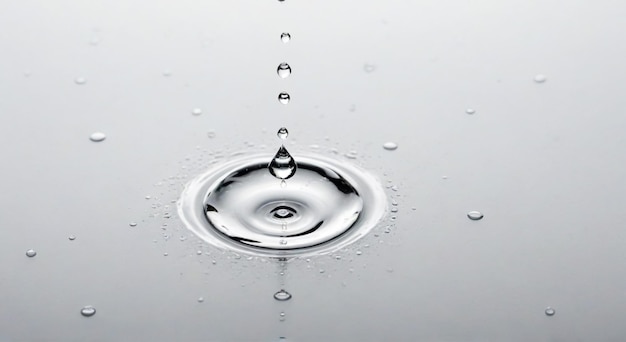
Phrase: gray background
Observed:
(543, 162)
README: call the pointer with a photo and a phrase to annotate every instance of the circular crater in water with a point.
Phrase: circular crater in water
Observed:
(240, 205)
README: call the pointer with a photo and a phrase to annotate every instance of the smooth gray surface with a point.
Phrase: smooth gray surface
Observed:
(543, 162)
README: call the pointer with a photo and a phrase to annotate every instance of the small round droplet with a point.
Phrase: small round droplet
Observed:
(284, 98)
(550, 311)
(80, 80)
(540, 78)
(72, 237)
(475, 215)
(211, 134)
(283, 70)
(97, 137)
(390, 146)
(369, 68)
(282, 133)
(31, 253)
(282, 295)
(167, 73)
(201, 299)
(285, 37)
(133, 224)
(359, 252)
(470, 111)
(196, 111)
(88, 311)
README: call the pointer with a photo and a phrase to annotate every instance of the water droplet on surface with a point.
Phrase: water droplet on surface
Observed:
(369, 67)
(285, 37)
(31, 253)
(282, 295)
(359, 252)
(72, 237)
(211, 134)
(470, 111)
(167, 73)
(133, 224)
(550, 311)
(88, 311)
(540, 78)
(80, 80)
(97, 137)
(390, 146)
(351, 154)
(196, 111)
(283, 70)
(282, 133)
(201, 299)
(284, 98)
(475, 215)
(282, 166)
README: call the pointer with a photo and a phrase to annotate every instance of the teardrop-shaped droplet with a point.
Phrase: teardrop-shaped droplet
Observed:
(282, 166)
(284, 70)
(284, 98)
(282, 295)
(282, 133)
(88, 311)
(285, 37)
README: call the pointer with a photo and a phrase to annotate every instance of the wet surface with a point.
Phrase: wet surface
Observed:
(541, 157)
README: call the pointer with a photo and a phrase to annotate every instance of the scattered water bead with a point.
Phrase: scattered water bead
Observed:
(72, 237)
(284, 98)
(282, 166)
(201, 299)
(540, 78)
(550, 311)
(97, 137)
(196, 111)
(475, 215)
(80, 80)
(390, 146)
(351, 154)
(31, 253)
(282, 295)
(285, 37)
(470, 111)
(133, 224)
(88, 311)
(282, 133)
(369, 68)
(167, 73)
(283, 70)
(359, 252)
(211, 134)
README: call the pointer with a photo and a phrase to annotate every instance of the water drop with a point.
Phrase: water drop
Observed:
(282, 133)
(72, 237)
(540, 78)
(80, 80)
(282, 166)
(351, 154)
(31, 253)
(211, 134)
(167, 73)
(550, 311)
(196, 111)
(285, 37)
(390, 146)
(88, 311)
(475, 215)
(284, 70)
(470, 111)
(97, 137)
(282, 295)
(359, 252)
(133, 224)
(201, 299)
(284, 98)
(369, 68)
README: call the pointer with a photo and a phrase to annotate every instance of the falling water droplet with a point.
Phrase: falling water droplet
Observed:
(88, 311)
(282, 166)
(550, 311)
(475, 215)
(285, 37)
(196, 111)
(72, 237)
(282, 133)
(284, 70)
(284, 98)
(470, 111)
(390, 146)
(31, 253)
(80, 80)
(540, 78)
(282, 295)
(97, 137)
